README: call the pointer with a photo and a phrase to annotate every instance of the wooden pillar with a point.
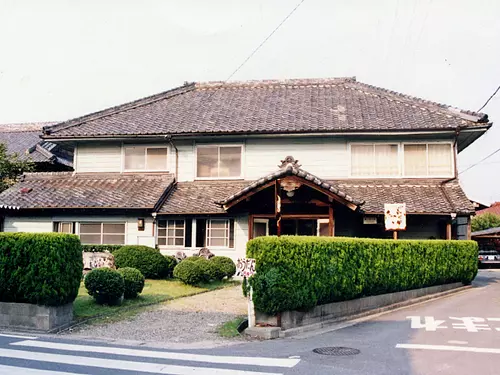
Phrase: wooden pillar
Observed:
(250, 227)
(277, 206)
(448, 231)
(331, 222)
(395, 235)
(469, 230)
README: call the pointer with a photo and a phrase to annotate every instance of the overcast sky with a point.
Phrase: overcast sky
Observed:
(62, 59)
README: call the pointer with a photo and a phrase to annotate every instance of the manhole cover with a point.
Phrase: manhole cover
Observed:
(336, 350)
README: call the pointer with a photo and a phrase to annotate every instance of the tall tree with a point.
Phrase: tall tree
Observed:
(485, 221)
(11, 167)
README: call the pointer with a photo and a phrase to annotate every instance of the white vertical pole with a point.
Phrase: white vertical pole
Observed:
(251, 310)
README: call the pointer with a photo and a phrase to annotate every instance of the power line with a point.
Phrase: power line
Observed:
(491, 97)
(480, 161)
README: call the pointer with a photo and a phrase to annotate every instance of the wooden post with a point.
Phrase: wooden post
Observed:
(395, 235)
(469, 230)
(331, 222)
(250, 227)
(277, 207)
(448, 231)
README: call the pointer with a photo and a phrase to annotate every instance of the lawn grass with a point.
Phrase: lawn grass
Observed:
(230, 329)
(155, 291)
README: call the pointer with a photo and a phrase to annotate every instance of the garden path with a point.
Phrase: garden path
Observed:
(188, 322)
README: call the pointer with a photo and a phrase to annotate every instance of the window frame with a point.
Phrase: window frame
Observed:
(167, 237)
(219, 145)
(146, 147)
(398, 144)
(227, 239)
(260, 221)
(452, 156)
(401, 159)
(102, 230)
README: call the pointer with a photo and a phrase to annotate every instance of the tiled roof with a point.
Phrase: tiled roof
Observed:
(491, 231)
(24, 140)
(69, 190)
(291, 170)
(200, 197)
(493, 209)
(290, 106)
(421, 196)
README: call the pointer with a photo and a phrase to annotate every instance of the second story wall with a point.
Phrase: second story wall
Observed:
(252, 158)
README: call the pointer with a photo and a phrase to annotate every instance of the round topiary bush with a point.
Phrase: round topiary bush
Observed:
(151, 263)
(105, 285)
(225, 265)
(189, 272)
(134, 281)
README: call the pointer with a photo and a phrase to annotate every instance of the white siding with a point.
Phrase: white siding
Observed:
(324, 157)
(28, 224)
(98, 158)
(132, 235)
(186, 160)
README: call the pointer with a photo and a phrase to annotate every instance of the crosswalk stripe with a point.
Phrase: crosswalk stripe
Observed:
(12, 370)
(18, 336)
(116, 364)
(258, 361)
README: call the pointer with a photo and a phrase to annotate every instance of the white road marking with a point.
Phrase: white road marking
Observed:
(118, 364)
(12, 370)
(19, 337)
(458, 342)
(260, 361)
(449, 348)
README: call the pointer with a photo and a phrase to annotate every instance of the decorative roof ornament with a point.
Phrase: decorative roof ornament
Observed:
(289, 160)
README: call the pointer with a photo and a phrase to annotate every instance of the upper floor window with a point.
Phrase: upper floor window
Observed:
(143, 158)
(218, 161)
(374, 160)
(433, 159)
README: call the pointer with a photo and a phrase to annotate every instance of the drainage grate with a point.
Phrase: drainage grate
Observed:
(336, 350)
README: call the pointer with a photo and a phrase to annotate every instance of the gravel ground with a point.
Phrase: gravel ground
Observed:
(188, 320)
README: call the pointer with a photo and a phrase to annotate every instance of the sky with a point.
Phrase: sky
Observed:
(63, 59)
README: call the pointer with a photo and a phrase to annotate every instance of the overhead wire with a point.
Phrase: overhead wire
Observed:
(491, 97)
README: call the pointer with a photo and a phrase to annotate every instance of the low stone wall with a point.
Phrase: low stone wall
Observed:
(337, 310)
(34, 317)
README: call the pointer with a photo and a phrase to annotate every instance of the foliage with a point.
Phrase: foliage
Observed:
(226, 265)
(151, 263)
(190, 272)
(230, 329)
(171, 263)
(485, 221)
(11, 167)
(40, 268)
(105, 285)
(301, 272)
(134, 282)
(100, 248)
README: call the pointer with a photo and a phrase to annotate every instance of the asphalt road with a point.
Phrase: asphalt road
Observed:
(458, 334)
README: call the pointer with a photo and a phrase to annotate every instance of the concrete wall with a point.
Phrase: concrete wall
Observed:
(35, 317)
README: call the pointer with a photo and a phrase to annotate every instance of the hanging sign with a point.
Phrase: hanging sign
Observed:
(395, 216)
(245, 267)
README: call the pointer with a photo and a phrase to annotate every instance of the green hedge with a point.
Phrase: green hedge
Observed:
(40, 268)
(151, 263)
(100, 248)
(134, 282)
(301, 272)
(107, 286)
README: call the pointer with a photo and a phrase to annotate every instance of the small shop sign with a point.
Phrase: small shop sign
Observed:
(245, 267)
(395, 216)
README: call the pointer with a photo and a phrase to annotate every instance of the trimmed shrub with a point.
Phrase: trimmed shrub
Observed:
(100, 248)
(134, 282)
(296, 273)
(225, 265)
(171, 263)
(151, 263)
(190, 272)
(40, 268)
(105, 285)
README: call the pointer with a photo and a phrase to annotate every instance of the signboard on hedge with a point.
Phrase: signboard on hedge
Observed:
(395, 216)
(245, 267)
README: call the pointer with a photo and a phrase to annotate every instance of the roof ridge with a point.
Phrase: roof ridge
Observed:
(47, 130)
(451, 111)
(273, 82)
